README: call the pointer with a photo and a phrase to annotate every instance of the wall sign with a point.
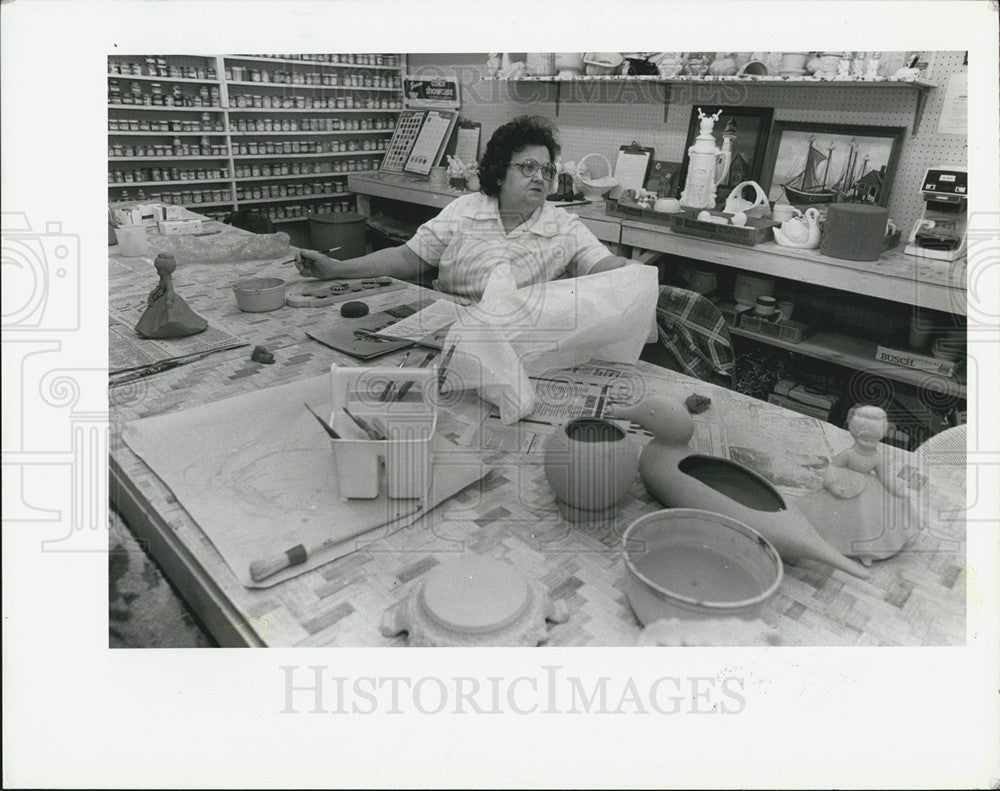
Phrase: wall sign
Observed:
(435, 93)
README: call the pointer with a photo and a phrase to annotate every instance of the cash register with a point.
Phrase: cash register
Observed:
(940, 231)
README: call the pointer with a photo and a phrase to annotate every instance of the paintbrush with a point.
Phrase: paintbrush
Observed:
(325, 252)
(407, 385)
(387, 392)
(369, 429)
(443, 370)
(326, 426)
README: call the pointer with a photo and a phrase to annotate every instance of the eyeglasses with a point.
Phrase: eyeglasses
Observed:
(530, 167)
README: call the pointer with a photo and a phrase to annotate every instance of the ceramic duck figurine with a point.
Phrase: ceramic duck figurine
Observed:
(679, 478)
(802, 232)
(862, 510)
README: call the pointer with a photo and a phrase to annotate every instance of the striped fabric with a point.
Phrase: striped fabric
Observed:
(695, 332)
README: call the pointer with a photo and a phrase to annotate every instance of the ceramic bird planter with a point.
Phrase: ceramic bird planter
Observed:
(590, 464)
(474, 601)
(862, 510)
(802, 232)
(679, 478)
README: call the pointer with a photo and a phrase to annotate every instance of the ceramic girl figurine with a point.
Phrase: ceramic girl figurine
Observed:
(167, 315)
(864, 515)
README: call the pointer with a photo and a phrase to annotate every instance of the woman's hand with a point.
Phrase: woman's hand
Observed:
(313, 264)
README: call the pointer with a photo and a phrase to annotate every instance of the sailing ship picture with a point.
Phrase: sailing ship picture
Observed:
(811, 164)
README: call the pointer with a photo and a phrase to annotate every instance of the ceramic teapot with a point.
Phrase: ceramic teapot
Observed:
(802, 232)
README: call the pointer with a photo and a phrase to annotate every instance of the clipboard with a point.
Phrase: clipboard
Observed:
(464, 142)
(632, 168)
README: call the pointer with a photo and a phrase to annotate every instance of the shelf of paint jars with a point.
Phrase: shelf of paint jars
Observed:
(317, 81)
(156, 108)
(276, 147)
(262, 110)
(176, 148)
(299, 102)
(284, 198)
(373, 61)
(189, 67)
(276, 192)
(178, 198)
(293, 212)
(158, 96)
(167, 175)
(303, 156)
(285, 170)
(157, 78)
(324, 126)
(177, 126)
(151, 182)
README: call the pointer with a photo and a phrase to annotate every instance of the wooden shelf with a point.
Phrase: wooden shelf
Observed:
(298, 86)
(129, 133)
(167, 108)
(172, 157)
(324, 174)
(293, 198)
(310, 63)
(325, 110)
(857, 354)
(242, 157)
(185, 182)
(325, 132)
(148, 78)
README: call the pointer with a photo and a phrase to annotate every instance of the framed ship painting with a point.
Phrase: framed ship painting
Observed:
(813, 164)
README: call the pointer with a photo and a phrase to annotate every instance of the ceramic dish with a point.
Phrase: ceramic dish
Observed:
(260, 294)
(688, 563)
(474, 601)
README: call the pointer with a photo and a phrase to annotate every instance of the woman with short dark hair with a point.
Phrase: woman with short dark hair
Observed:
(507, 221)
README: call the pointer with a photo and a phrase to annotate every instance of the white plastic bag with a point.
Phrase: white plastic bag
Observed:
(514, 333)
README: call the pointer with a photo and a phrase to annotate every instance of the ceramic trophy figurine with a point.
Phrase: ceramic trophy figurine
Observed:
(167, 315)
(705, 162)
(679, 478)
(861, 509)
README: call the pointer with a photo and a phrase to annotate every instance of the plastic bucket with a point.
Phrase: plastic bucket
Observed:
(345, 230)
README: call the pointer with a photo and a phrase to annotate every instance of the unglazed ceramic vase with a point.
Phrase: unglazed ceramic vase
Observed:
(474, 601)
(679, 478)
(590, 464)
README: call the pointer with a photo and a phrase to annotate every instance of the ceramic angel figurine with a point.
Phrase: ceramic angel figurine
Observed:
(862, 509)
(167, 315)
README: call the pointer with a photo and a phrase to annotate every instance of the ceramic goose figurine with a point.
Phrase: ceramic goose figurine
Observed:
(679, 478)
(802, 232)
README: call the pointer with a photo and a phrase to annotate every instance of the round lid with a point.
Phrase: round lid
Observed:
(475, 595)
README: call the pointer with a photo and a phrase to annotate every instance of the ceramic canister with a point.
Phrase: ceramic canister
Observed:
(854, 231)
(590, 464)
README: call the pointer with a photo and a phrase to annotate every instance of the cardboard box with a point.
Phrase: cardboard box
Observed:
(810, 396)
(179, 227)
(790, 331)
(796, 406)
(895, 350)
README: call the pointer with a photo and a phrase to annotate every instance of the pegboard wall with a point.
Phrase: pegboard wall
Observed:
(601, 117)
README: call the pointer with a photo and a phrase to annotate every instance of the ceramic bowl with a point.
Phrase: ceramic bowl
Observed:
(260, 294)
(474, 601)
(688, 563)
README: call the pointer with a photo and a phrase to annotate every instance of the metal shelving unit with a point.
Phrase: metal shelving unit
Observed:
(144, 89)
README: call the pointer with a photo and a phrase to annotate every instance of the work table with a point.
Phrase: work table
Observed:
(915, 598)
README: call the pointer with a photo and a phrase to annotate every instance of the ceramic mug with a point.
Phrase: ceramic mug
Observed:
(767, 308)
(785, 307)
(784, 211)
